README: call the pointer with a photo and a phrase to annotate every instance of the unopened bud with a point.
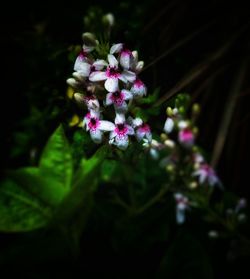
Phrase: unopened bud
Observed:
(169, 143)
(195, 131)
(193, 185)
(89, 39)
(163, 136)
(182, 110)
(72, 82)
(196, 108)
(78, 76)
(169, 111)
(79, 98)
(170, 168)
(213, 234)
(109, 19)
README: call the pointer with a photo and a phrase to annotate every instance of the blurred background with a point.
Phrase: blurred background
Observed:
(197, 47)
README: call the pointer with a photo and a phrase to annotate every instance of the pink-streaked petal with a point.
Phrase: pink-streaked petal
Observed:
(96, 135)
(125, 60)
(112, 61)
(100, 64)
(79, 60)
(111, 84)
(106, 125)
(116, 48)
(109, 100)
(97, 76)
(127, 94)
(129, 76)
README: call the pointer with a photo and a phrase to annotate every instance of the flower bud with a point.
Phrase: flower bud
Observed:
(169, 111)
(89, 39)
(213, 234)
(79, 98)
(109, 19)
(196, 109)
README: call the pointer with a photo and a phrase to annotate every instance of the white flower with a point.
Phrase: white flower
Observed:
(82, 57)
(206, 174)
(142, 130)
(112, 75)
(138, 88)
(126, 56)
(181, 207)
(96, 127)
(118, 99)
(85, 68)
(169, 125)
(120, 133)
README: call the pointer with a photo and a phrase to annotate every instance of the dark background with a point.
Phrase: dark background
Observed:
(35, 41)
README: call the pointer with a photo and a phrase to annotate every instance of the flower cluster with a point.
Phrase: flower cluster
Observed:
(182, 159)
(111, 82)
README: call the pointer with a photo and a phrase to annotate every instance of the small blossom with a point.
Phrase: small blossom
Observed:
(82, 57)
(142, 130)
(85, 68)
(112, 75)
(137, 66)
(186, 137)
(206, 174)
(138, 88)
(119, 135)
(96, 127)
(118, 99)
(181, 207)
(153, 147)
(126, 57)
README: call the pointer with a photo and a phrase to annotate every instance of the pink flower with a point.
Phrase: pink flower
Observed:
(142, 130)
(126, 57)
(120, 133)
(118, 99)
(96, 127)
(206, 174)
(138, 88)
(112, 75)
(186, 137)
(86, 67)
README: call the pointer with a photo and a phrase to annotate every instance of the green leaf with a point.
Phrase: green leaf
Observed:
(78, 203)
(45, 188)
(20, 211)
(56, 160)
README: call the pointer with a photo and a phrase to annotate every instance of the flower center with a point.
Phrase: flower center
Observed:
(112, 72)
(93, 121)
(120, 127)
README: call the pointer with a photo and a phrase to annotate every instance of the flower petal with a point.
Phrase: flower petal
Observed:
(125, 60)
(127, 94)
(111, 84)
(109, 99)
(100, 64)
(112, 61)
(130, 130)
(106, 125)
(96, 135)
(122, 142)
(84, 69)
(139, 66)
(169, 125)
(119, 118)
(129, 76)
(116, 48)
(97, 76)
(122, 108)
